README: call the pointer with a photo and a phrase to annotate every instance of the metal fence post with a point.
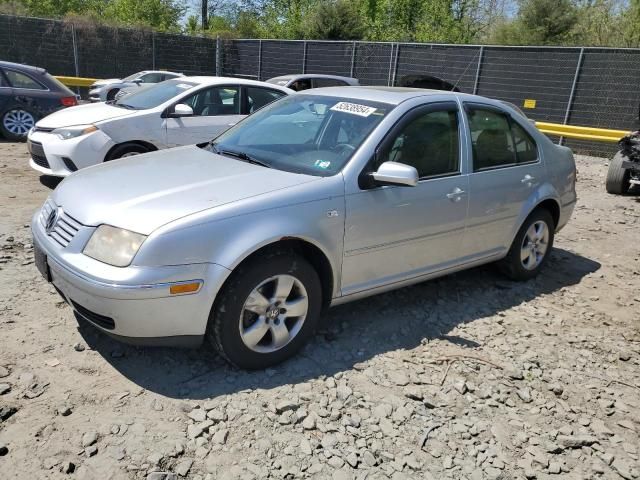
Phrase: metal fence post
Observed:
(153, 49)
(480, 58)
(75, 50)
(390, 66)
(353, 58)
(572, 94)
(259, 59)
(395, 66)
(218, 57)
(304, 58)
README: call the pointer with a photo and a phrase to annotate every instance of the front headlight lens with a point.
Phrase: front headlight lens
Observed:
(73, 132)
(113, 245)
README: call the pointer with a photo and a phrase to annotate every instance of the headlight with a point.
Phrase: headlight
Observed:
(114, 246)
(73, 132)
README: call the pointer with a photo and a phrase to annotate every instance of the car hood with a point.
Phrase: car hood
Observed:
(83, 115)
(101, 83)
(144, 192)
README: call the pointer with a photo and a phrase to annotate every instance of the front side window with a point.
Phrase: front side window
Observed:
(20, 80)
(151, 78)
(328, 82)
(214, 101)
(259, 97)
(155, 95)
(498, 141)
(311, 134)
(302, 84)
(428, 142)
(131, 78)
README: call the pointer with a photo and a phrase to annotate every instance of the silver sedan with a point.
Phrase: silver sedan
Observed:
(317, 199)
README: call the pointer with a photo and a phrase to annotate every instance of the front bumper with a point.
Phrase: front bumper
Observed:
(132, 304)
(52, 156)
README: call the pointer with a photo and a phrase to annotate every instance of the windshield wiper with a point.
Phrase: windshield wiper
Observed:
(241, 155)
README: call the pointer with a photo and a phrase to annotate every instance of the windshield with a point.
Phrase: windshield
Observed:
(130, 78)
(312, 134)
(155, 95)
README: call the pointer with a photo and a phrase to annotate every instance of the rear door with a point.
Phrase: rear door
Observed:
(6, 91)
(29, 93)
(507, 168)
(215, 109)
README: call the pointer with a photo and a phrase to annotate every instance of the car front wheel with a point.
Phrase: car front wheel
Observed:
(267, 310)
(618, 178)
(531, 247)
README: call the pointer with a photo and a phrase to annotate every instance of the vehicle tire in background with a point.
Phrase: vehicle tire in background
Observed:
(531, 247)
(16, 122)
(126, 150)
(111, 94)
(267, 310)
(618, 178)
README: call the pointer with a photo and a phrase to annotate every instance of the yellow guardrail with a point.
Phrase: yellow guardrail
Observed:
(76, 81)
(581, 133)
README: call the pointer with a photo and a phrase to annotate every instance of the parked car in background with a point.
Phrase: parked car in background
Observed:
(104, 90)
(307, 81)
(26, 95)
(624, 167)
(320, 198)
(428, 82)
(175, 112)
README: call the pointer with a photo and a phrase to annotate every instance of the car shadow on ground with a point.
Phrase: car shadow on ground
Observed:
(353, 333)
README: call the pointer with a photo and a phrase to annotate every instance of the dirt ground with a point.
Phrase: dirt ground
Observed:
(465, 377)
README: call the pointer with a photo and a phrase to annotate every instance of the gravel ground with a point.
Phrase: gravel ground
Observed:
(465, 377)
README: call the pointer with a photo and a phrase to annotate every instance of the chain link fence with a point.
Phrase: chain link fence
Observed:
(593, 87)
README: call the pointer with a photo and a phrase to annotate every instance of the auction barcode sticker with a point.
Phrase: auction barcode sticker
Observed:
(354, 108)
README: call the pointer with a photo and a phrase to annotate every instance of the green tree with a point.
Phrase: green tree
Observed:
(160, 14)
(334, 20)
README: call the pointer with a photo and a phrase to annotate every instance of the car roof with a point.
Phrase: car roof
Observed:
(22, 66)
(311, 75)
(394, 95)
(201, 80)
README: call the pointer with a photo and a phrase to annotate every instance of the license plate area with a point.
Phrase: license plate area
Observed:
(40, 259)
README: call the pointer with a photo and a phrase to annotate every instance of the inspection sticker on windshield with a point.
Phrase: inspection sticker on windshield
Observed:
(323, 164)
(354, 108)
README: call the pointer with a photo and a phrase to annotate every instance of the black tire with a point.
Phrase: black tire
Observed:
(223, 331)
(512, 265)
(16, 112)
(125, 150)
(618, 178)
(111, 94)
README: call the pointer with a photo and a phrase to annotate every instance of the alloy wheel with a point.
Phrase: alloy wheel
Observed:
(534, 245)
(273, 314)
(18, 122)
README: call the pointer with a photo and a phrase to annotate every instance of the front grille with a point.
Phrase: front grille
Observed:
(100, 320)
(65, 227)
(40, 160)
(42, 129)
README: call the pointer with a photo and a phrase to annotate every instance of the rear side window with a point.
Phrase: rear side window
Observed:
(259, 97)
(498, 141)
(328, 82)
(20, 80)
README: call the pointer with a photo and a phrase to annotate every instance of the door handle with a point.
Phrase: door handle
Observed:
(528, 179)
(456, 194)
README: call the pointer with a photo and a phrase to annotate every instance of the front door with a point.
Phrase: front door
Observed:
(215, 109)
(392, 232)
(506, 171)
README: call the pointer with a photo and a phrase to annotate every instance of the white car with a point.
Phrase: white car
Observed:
(106, 90)
(175, 112)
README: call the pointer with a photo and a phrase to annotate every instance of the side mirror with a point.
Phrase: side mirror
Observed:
(137, 81)
(182, 110)
(394, 173)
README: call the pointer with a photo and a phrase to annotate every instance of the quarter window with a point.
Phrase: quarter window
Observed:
(215, 101)
(429, 143)
(498, 141)
(20, 80)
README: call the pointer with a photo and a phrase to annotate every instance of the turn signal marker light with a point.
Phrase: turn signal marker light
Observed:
(184, 288)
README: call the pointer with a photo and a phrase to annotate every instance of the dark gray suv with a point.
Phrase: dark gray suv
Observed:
(26, 95)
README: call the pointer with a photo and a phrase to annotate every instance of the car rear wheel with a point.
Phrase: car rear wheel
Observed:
(15, 124)
(122, 151)
(531, 247)
(267, 311)
(618, 178)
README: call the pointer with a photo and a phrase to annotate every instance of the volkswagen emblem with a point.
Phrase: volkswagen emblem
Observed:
(52, 219)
